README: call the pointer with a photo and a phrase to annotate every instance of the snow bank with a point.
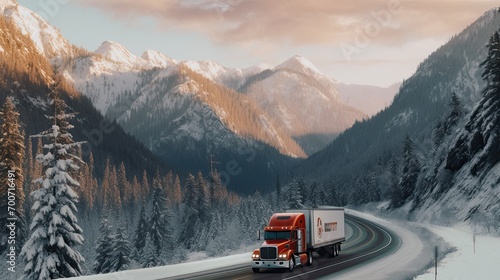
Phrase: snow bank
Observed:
(173, 270)
(464, 263)
(398, 265)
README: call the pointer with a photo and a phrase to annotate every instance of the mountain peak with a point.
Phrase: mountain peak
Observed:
(117, 52)
(157, 59)
(300, 64)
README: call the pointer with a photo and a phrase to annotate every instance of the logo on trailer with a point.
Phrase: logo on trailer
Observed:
(319, 225)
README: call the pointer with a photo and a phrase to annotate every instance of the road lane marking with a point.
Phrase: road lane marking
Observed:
(342, 262)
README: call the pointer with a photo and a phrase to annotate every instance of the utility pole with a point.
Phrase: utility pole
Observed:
(436, 262)
(474, 242)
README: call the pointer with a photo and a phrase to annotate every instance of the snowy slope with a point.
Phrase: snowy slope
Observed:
(47, 39)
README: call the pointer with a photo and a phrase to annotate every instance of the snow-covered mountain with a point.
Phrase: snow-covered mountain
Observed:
(182, 111)
(303, 101)
(48, 40)
(368, 99)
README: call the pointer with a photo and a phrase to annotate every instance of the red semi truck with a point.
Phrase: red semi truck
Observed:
(290, 238)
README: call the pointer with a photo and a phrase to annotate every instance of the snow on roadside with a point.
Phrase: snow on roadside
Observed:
(463, 263)
(404, 261)
(172, 270)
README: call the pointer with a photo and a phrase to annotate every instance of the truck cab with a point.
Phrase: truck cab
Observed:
(284, 243)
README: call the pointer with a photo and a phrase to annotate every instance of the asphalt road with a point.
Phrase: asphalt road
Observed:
(368, 242)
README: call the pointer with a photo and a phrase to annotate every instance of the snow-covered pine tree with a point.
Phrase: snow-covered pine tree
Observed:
(455, 113)
(11, 174)
(158, 221)
(141, 230)
(484, 123)
(104, 248)
(294, 198)
(411, 171)
(151, 257)
(190, 218)
(50, 251)
(120, 258)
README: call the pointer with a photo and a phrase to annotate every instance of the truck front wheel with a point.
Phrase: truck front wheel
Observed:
(256, 269)
(309, 258)
(291, 264)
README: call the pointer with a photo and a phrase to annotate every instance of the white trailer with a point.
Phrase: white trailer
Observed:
(325, 229)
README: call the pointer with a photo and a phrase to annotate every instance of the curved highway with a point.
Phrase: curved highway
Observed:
(368, 242)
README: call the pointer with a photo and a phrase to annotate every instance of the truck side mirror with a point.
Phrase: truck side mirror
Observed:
(258, 234)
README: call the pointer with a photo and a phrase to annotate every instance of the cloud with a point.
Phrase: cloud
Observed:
(302, 23)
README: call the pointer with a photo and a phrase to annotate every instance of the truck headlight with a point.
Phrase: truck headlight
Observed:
(282, 256)
(255, 256)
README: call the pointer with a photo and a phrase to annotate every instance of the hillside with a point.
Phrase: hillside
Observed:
(362, 157)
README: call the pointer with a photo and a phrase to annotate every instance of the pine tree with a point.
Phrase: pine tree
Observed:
(202, 195)
(158, 225)
(126, 192)
(141, 230)
(136, 190)
(11, 173)
(483, 126)
(120, 259)
(278, 193)
(105, 199)
(104, 248)
(190, 215)
(145, 185)
(394, 192)
(49, 253)
(295, 199)
(114, 190)
(411, 171)
(151, 258)
(168, 186)
(455, 113)
(177, 197)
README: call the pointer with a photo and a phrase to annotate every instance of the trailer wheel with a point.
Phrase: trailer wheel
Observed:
(291, 264)
(338, 249)
(309, 258)
(255, 269)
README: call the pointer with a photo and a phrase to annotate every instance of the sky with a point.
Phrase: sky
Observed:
(371, 42)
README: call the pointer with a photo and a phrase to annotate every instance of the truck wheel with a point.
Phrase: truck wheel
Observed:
(333, 251)
(338, 249)
(291, 264)
(255, 269)
(309, 258)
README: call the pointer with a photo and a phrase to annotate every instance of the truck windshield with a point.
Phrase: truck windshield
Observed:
(273, 235)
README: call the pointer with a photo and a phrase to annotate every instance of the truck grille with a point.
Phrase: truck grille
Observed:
(268, 253)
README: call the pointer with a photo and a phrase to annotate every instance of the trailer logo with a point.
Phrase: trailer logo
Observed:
(319, 225)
